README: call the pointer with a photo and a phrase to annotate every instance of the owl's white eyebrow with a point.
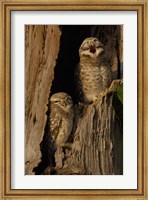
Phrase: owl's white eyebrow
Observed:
(85, 46)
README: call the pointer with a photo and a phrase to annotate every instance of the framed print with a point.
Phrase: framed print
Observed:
(73, 100)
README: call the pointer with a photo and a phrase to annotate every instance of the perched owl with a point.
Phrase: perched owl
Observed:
(94, 76)
(61, 118)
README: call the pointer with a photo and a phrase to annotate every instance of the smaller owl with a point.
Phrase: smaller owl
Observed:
(61, 118)
(93, 74)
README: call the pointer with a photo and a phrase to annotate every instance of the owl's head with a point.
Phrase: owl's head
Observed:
(92, 47)
(62, 100)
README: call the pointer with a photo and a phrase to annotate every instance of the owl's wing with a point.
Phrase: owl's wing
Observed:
(78, 84)
(106, 75)
(55, 124)
(48, 144)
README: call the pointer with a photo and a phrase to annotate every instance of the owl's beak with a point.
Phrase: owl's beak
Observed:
(92, 49)
(64, 104)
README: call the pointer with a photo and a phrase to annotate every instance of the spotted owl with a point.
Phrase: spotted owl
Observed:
(61, 118)
(93, 75)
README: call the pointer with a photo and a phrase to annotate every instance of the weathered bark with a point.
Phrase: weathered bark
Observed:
(96, 142)
(39, 73)
(97, 145)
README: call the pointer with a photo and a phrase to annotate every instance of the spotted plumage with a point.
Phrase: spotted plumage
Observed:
(93, 75)
(61, 117)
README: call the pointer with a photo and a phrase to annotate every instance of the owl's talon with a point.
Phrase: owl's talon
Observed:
(95, 99)
(103, 93)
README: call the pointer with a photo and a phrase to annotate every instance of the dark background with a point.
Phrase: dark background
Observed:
(71, 39)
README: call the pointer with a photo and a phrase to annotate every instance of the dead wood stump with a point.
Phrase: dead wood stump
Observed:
(97, 146)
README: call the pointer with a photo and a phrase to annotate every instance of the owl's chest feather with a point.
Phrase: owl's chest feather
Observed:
(90, 75)
(65, 129)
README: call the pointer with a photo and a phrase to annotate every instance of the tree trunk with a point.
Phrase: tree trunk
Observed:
(96, 142)
(40, 60)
